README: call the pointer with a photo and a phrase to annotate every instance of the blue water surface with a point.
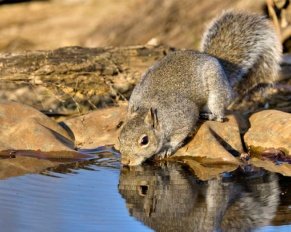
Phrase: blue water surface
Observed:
(87, 201)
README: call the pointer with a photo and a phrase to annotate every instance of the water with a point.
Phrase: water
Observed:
(87, 201)
(164, 197)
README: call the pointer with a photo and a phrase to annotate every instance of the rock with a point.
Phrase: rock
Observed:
(269, 129)
(268, 141)
(24, 128)
(30, 142)
(217, 141)
(98, 128)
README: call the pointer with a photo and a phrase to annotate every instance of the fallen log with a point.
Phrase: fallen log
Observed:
(75, 79)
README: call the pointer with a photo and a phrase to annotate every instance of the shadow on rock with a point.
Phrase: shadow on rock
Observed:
(169, 198)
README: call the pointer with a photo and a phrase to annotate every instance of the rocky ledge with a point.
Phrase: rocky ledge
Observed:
(30, 141)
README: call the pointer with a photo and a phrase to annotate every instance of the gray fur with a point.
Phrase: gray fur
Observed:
(238, 50)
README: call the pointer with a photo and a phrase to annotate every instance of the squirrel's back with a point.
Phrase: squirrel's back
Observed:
(247, 46)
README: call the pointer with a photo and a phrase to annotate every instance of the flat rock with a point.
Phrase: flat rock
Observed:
(98, 128)
(31, 142)
(24, 128)
(36, 141)
(269, 129)
(215, 140)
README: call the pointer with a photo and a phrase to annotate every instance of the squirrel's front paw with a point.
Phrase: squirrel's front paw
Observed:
(165, 153)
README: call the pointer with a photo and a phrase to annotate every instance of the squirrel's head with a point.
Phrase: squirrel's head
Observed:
(139, 137)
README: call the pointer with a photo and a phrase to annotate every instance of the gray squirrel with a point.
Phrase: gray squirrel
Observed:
(239, 50)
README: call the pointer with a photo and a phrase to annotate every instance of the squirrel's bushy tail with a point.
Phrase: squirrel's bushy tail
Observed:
(247, 46)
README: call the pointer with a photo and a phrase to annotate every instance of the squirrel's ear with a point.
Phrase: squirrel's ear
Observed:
(151, 118)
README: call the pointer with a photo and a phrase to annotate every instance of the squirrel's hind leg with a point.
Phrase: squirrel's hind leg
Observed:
(217, 104)
(219, 94)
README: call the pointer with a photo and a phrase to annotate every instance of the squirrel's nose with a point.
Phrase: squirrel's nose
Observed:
(132, 161)
(125, 160)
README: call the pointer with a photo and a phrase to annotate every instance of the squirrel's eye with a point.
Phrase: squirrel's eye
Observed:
(144, 140)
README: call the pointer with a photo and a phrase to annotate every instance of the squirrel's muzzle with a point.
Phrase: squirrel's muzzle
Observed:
(131, 160)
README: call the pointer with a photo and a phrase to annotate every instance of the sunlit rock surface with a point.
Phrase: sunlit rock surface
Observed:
(270, 129)
(269, 141)
(215, 140)
(26, 133)
(24, 128)
(98, 128)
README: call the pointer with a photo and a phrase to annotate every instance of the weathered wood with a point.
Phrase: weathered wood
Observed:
(74, 77)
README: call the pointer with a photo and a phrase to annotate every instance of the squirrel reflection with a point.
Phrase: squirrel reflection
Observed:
(170, 198)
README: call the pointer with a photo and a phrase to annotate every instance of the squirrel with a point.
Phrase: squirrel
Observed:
(239, 50)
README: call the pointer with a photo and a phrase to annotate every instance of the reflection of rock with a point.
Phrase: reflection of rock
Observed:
(272, 166)
(169, 198)
(23, 165)
(270, 129)
(206, 169)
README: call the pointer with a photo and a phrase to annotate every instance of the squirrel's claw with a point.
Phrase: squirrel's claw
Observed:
(165, 153)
